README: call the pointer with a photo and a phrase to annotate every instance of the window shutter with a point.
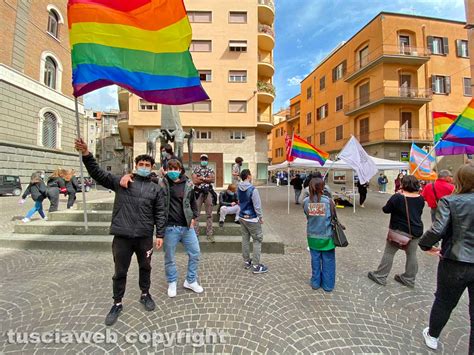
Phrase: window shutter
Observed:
(433, 83)
(326, 109)
(344, 67)
(334, 73)
(458, 48)
(445, 45)
(430, 44)
(448, 84)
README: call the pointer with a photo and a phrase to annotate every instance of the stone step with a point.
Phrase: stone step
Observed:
(106, 216)
(106, 205)
(223, 244)
(100, 228)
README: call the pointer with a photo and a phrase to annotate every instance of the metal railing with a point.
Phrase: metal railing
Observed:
(389, 92)
(396, 134)
(266, 87)
(266, 29)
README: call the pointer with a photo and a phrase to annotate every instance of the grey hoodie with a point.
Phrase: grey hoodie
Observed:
(257, 202)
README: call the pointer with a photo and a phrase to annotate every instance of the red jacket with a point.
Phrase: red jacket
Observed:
(442, 188)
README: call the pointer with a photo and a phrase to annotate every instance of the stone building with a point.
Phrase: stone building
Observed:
(37, 111)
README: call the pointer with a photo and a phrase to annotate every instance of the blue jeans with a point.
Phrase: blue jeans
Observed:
(323, 265)
(37, 208)
(187, 236)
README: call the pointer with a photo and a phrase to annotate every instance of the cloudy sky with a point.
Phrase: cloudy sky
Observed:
(307, 30)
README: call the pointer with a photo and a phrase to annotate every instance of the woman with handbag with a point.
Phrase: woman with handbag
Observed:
(317, 208)
(454, 226)
(405, 208)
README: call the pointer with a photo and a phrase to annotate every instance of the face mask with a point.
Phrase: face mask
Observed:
(204, 163)
(163, 154)
(231, 193)
(173, 175)
(42, 176)
(144, 172)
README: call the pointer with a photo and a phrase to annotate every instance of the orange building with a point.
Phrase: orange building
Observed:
(383, 84)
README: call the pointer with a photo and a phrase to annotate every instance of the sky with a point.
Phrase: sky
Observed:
(307, 30)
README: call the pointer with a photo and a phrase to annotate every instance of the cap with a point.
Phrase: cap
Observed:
(204, 156)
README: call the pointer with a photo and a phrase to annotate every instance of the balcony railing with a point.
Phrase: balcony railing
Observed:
(396, 134)
(399, 52)
(265, 58)
(122, 116)
(266, 87)
(268, 3)
(390, 93)
(266, 29)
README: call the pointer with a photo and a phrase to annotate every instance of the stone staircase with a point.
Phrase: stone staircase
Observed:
(66, 230)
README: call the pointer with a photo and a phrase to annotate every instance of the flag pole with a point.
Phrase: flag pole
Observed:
(81, 168)
(426, 157)
(353, 192)
(329, 168)
(288, 181)
(432, 127)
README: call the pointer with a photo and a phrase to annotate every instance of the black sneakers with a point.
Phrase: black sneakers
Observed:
(113, 314)
(148, 302)
(221, 224)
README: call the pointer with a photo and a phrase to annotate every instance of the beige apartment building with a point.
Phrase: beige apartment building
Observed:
(232, 48)
(382, 86)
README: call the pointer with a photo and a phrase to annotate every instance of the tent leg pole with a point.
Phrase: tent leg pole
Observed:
(353, 192)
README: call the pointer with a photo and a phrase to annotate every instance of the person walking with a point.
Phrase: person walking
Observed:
(138, 210)
(382, 181)
(182, 213)
(203, 177)
(37, 189)
(405, 209)
(251, 220)
(436, 190)
(398, 182)
(228, 204)
(72, 186)
(318, 211)
(454, 227)
(55, 185)
(297, 183)
(362, 189)
(236, 170)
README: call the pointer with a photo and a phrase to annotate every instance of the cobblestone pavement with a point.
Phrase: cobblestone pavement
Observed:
(277, 312)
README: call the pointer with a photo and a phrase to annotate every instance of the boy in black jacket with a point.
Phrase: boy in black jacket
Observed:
(137, 210)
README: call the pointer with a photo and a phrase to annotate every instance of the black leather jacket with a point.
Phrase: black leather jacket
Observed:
(454, 224)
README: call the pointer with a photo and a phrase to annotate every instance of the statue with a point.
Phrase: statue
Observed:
(171, 131)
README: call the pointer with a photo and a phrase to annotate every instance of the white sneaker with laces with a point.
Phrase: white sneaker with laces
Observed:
(172, 289)
(430, 341)
(45, 218)
(193, 286)
(26, 220)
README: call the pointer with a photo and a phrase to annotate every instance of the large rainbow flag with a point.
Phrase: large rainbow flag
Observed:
(140, 45)
(461, 130)
(302, 149)
(441, 122)
(424, 172)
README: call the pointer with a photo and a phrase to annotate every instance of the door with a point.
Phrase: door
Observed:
(405, 85)
(405, 126)
(404, 42)
(364, 94)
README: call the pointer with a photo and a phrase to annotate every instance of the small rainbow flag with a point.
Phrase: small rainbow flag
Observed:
(140, 45)
(302, 149)
(462, 129)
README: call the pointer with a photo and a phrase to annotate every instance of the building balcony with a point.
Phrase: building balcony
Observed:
(294, 117)
(123, 97)
(265, 92)
(266, 37)
(396, 135)
(266, 11)
(389, 95)
(265, 65)
(388, 54)
(125, 131)
(264, 123)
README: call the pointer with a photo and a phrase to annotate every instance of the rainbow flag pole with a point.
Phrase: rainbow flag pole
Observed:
(81, 167)
(426, 156)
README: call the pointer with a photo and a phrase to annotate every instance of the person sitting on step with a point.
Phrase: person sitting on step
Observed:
(228, 204)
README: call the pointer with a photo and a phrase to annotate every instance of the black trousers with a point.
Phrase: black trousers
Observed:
(71, 197)
(453, 278)
(123, 249)
(53, 196)
(362, 195)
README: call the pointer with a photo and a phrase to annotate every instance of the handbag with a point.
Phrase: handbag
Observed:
(400, 239)
(338, 235)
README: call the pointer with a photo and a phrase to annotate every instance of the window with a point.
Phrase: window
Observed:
(237, 106)
(438, 45)
(308, 118)
(238, 46)
(49, 132)
(237, 17)
(200, 16)
(279, 152)
(467, 86)
(322, 138)
(200, 46)
(440, 84)
(339, 71)
(308, 139)
(201, 106)
(364, 126)
(309, 92)
(147, 106)
(363, 56)
(322, 112)
(237, 135)
(404, 42)
(236, 76)
(339, 132)
(364, 93)
(205, 75)
(339, 103)
(279, 132)
(322, 83)
(50, 72)
(462, 48)
(204, 135)
(53, 23)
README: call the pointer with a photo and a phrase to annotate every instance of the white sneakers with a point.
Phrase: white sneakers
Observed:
(26, 220)
(430, 341)
(172, 289)
(190, 286)
(45, 218)
(193, 286)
